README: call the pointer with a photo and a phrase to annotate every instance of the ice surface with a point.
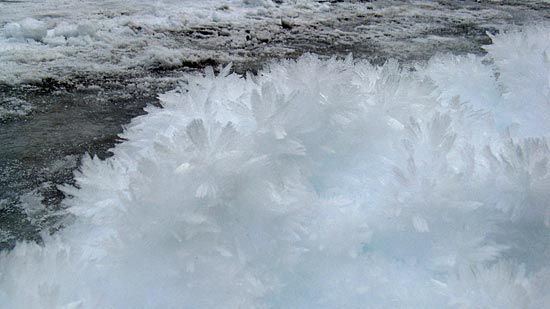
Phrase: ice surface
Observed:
(59, 39)
(316, 184)
(51, 39)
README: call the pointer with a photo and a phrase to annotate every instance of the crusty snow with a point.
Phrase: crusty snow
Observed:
(316, 184)
(62, 38)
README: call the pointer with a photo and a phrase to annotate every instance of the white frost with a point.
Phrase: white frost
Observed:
(315, 184)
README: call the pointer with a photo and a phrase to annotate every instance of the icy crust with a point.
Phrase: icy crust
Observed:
(315, 184)
(53, 39)
(63, 39)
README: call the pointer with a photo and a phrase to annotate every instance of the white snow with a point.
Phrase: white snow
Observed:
(65, 37)
(316, 184)
(28, 28)
(59, 38)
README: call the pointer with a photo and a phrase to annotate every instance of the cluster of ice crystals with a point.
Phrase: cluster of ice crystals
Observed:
(316, 184)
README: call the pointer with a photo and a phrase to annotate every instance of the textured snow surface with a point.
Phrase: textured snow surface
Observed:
(53, 38)
(316, 184)
(65, 39)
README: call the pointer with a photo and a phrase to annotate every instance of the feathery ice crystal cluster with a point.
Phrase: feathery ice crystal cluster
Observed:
(316, 184)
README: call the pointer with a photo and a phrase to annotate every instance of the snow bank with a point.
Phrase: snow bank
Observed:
(61, 40)
(315, 184)
(28, 28)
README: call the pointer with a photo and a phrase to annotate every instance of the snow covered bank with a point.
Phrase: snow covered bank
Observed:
(316, 184)
(60, 39)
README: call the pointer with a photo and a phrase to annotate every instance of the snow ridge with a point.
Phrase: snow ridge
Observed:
(316, 184)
